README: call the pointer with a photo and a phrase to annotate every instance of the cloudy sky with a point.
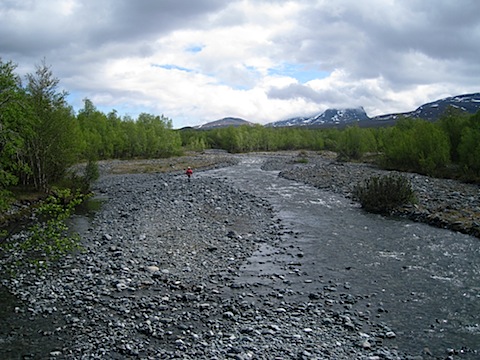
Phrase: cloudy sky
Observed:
(196, 61)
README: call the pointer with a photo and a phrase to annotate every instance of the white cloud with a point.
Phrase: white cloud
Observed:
(199, 60)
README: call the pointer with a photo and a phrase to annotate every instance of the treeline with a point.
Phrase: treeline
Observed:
(41, 137)
(449, 147)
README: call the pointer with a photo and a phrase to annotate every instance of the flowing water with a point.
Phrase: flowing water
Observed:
(422, 281)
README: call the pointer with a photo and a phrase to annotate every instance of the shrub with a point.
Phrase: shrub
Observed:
(302, 160)
(49, 238)
(383, 194)
(91, 172)
(453, 122)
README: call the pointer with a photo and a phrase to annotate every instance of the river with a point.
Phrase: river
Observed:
(421, 281)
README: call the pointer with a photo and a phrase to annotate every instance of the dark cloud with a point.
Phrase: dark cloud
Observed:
(370, 40)
(124, 20)
(29, 28)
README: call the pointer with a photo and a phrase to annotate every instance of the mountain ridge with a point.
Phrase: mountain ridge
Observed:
(433, 110)
(430, 111)
(356, 115)
(224, 122)
(329, 116)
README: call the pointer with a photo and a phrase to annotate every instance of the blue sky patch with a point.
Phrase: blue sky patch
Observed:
(195, 48)
(172, 67)
(298, 71)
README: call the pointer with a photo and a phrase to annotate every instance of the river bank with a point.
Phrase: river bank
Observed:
(157, 279)
(444, 203)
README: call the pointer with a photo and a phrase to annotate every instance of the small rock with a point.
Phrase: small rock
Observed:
(390, 335)
(152, 268)
(228, 315)
(366, 344)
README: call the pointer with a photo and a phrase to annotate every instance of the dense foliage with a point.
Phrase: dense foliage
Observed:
(41, 137)
(414, 145)
(109, 136)
(12, 140)
(383, 194)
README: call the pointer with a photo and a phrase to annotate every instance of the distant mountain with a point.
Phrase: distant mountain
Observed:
(337, 118)
(433, 111)
(328, 117)
(225, 122)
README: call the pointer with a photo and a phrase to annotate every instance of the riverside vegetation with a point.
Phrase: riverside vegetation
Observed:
(383, 194)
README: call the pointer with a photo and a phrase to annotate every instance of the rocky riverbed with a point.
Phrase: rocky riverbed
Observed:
(156, 278)
(443, 203)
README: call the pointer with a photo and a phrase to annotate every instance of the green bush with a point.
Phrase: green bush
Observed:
(91, 172)
(49, 238)
(302, 157)
(453, 122)
(383, 194)
(302, 160)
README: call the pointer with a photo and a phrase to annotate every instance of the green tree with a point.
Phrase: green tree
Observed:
(332, 139)
(52, 143)
(354, 142)
(469, 147)
(12, 129)
(97, 137)
(118, 135)
(133, 144)
(157, 137)
(453, 122)
(416, 145)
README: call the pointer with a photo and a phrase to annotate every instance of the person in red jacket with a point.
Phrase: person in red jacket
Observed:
(189, 173)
